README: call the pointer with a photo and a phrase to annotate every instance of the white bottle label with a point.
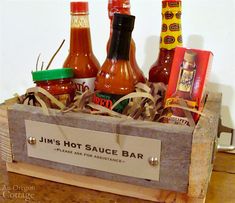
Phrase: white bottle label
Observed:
(84, 84)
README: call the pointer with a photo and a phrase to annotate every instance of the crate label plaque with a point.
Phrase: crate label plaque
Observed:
(110, 152)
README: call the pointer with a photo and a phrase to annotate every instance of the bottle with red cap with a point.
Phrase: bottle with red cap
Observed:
(123, 7)
(171, 36)
(81, 57)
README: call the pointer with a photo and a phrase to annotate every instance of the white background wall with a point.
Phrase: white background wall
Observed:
(30, 27)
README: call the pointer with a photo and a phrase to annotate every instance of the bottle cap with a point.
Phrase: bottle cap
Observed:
(118, 4)
(54, 74)
(190, 56)
(123, 22)
(79, 7)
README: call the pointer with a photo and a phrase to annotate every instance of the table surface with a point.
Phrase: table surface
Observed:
(15, 188)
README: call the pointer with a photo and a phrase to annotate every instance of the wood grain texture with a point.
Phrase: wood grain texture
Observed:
(175, 158)
(101, 185)
(5, 142)
(203, 145)
(222, 187)
(225, 162)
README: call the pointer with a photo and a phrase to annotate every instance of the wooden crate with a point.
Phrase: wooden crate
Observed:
(186, 153)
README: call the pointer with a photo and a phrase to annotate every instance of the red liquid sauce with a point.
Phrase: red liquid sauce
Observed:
(123, 7)
(160, 70)
(81, 57)
(115, 77)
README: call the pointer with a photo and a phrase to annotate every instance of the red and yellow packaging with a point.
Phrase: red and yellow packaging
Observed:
(189, 73)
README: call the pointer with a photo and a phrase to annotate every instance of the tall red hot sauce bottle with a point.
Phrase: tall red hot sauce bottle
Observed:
(123, 7)
(115, 78)
(171, 36)
(81, 57)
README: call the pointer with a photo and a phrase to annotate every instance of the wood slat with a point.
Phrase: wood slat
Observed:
(203, 147)
(101, 185)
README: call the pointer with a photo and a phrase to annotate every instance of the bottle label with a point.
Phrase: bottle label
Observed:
(80, 21)
(171, 25)
(107, 100)
(186, 80)
(178, 120)
(84, 84)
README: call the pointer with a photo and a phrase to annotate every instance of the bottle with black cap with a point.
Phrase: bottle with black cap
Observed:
(116, 77)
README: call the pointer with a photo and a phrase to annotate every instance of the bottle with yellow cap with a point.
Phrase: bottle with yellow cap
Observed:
(171, 37)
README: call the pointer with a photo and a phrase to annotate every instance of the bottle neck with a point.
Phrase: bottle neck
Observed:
(80, 38)
(121, 10)
(171, 34)
(120, 45)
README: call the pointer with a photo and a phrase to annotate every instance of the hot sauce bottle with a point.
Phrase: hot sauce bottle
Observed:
(81, 57)
(184, 87)
(116, 78)
(171, 36)
(123, 7)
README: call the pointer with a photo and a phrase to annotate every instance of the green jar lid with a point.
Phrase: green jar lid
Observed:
(53, 74)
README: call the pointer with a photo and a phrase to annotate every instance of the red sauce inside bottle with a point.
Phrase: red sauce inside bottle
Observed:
(160, 70)
(81, 58)
(123, 7)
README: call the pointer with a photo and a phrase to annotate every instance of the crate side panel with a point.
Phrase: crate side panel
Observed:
(203, 147)
(175, 158)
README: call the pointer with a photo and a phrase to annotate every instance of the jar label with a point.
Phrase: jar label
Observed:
(107, 100)
(84, 84)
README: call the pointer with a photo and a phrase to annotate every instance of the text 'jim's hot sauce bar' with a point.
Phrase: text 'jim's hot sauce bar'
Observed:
(81, 57)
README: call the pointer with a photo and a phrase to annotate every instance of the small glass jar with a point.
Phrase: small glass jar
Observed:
(57, 82)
